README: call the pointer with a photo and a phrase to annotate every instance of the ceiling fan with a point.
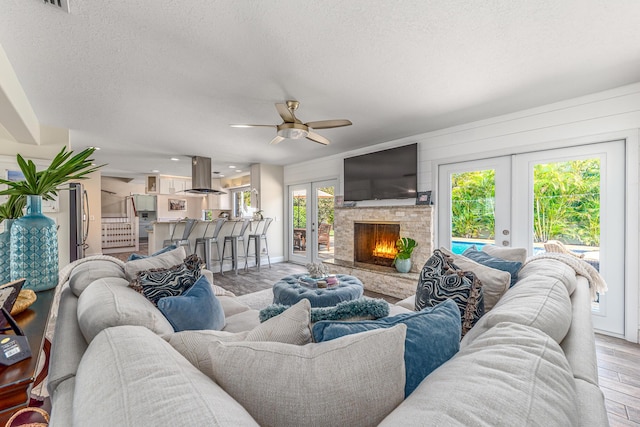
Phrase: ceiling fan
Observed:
(293, 128)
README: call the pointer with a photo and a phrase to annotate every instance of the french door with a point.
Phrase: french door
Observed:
(311, 209)
(574, 196)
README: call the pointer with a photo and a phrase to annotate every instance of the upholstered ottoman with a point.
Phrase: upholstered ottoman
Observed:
(291, 289)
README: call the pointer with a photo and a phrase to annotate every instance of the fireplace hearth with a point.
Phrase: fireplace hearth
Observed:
(375, 243)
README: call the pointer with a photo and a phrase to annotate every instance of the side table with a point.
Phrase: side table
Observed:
(16, 380)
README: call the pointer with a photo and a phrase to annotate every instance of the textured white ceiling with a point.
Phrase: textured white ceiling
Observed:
(147, 80)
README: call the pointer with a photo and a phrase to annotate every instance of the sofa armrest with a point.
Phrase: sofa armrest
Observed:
(69, 344)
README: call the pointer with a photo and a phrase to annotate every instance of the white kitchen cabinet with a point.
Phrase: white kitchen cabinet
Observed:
(145, 203)
(174, 185)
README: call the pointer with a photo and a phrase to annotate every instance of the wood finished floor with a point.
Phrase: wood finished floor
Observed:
(618, 360)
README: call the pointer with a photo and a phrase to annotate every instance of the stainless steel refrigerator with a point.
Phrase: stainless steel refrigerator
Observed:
(79, 215)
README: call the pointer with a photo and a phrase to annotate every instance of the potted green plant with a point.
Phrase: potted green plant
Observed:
(402, 260)
(34, 237)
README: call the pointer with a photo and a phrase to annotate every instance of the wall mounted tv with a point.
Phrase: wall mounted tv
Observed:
(387, 174)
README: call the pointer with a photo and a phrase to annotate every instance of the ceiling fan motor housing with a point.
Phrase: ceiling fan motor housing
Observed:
(293, 130)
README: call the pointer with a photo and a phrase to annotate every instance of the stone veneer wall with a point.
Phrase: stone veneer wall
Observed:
(416, 221)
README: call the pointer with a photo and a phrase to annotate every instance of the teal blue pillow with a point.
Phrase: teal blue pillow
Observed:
(484, 258)
(196, 309)
(134, 256)
(433, 337)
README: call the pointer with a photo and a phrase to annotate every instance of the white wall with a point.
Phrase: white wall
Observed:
(604, 116)
(268, 180)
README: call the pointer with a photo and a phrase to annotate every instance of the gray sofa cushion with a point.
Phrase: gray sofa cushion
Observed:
(131, 377)
(512, 375)
(551, 268)
(535, 301)
(351, 381)
(85, 273)
(62, 404)
(509, 254)
(109, 302)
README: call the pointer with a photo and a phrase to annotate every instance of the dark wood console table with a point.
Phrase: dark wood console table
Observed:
(16, 380)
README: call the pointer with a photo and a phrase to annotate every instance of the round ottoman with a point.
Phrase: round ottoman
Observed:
(290, 290)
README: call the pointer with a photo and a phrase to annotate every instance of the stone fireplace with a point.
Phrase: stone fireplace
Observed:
(413, 221)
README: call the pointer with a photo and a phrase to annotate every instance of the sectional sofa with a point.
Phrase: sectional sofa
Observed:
(116, 361)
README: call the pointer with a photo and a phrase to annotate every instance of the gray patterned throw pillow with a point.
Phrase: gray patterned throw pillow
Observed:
(440, 280)
(168, 282)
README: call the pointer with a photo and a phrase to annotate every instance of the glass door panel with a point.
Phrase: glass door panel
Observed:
(323, 225)
(573, 202)
(300, 224)
(474, 204)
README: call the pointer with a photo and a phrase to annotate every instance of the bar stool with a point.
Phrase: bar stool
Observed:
(257, 239)
(186, 232)
(207, 240)
(237, 235)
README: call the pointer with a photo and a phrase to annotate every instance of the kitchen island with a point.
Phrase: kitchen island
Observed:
(162, 231)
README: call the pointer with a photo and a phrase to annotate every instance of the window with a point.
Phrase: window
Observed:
(241, 202)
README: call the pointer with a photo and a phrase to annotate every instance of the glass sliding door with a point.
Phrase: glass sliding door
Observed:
(311, 221)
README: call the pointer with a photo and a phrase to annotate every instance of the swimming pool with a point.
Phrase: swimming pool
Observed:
(458, 247)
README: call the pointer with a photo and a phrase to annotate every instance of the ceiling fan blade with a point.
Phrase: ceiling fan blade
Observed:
(326, 124)
(318, 138)
(251, 126)
(286, 114)
(276, 140)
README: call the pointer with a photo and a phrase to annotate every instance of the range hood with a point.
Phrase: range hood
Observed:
(201, 176)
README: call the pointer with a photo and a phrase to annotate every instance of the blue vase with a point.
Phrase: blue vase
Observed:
(34, 248)
(5, 251)
(402, 265)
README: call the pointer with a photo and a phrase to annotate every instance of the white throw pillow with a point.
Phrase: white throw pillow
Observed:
(292, 327)
(352, 381)
(494, 282)
(509, 254)
(165, 260)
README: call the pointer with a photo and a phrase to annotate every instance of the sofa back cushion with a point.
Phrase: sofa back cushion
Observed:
(536, 301)
(110, 302)
(512, 375)
(85, 273)
(131, 377)
(506, 253)
(512, 267)
(350, 381)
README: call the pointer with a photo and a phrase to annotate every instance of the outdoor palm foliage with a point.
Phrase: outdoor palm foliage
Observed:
(566, 203)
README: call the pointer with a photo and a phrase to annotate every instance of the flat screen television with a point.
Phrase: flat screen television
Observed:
(386, 174)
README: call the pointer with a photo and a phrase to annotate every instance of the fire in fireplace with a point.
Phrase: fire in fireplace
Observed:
(375, 243)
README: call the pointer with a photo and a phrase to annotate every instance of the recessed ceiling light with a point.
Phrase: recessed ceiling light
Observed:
(155, 170)
(221, 175)
(238, 170)
(175, 159)
(95, 148)
(231, 167)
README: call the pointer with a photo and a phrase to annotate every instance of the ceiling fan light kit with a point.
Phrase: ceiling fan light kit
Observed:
(293, 128)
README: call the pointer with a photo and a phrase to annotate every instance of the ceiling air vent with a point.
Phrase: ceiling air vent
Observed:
(61, 4)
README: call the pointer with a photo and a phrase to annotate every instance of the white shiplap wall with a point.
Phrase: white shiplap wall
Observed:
(604, 116)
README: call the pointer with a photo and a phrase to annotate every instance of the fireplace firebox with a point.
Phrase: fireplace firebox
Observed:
(375, 243)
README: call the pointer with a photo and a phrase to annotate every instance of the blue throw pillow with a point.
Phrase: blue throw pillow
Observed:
(498, 263)
(135, 256)
(196, 309)
(433, 337)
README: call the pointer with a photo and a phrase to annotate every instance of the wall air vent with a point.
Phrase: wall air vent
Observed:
(61, 4)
